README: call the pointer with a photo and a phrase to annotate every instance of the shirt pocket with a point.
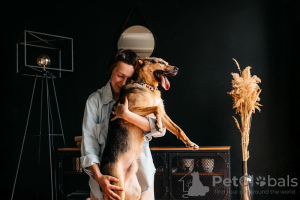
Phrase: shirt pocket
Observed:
(102, 129)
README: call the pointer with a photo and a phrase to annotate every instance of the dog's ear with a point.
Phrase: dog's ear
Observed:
(137, 66)
(139, 63)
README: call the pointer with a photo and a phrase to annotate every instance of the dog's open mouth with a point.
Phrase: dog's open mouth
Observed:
(161, 77)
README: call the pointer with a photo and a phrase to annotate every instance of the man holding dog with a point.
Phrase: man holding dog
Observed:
(95, 128)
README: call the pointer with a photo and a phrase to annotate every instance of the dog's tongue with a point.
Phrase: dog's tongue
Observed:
(164, 82)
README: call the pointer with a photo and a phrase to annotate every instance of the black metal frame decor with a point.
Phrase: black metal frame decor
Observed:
(31, 44)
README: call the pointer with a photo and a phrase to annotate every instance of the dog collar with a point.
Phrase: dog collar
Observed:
(150, 87)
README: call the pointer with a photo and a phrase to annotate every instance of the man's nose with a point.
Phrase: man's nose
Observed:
(124, 81)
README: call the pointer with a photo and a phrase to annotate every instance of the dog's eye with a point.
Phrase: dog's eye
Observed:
(161, 62)
(151, 60)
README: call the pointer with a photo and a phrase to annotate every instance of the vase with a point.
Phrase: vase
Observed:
(246, 184)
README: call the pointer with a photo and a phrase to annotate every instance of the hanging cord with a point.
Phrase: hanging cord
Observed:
(136, 6)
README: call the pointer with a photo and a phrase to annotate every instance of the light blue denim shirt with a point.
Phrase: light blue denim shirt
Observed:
(94, 134)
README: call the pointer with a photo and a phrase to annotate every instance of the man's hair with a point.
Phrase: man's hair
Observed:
(125, 55)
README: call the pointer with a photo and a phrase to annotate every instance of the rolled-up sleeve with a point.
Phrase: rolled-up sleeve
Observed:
(90, 146)
(154, 132)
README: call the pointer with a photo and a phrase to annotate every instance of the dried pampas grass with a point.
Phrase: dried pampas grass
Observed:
(245, 93)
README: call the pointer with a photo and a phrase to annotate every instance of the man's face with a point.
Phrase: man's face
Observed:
(119, 76)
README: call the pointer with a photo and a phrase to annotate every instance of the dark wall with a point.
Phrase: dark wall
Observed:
(199, 37)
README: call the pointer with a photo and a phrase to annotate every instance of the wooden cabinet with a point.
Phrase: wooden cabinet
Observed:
(72, 180)
(182, 173)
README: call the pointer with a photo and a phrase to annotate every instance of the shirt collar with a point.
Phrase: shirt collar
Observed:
(107, 93)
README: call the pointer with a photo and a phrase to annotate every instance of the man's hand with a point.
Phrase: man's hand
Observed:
(120, 110)
(107, 188)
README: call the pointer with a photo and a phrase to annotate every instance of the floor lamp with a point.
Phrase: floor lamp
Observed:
(41, 66)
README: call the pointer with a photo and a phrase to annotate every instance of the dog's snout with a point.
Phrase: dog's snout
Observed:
(176, 69)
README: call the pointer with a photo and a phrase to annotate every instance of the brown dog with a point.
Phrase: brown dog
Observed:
(125, 140)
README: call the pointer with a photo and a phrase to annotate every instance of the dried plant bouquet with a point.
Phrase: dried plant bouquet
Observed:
(245, 93)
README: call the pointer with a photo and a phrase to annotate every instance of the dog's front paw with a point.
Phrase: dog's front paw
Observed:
(158, 126)
(191, 144)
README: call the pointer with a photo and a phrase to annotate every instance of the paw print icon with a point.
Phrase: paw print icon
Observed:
(261, 181)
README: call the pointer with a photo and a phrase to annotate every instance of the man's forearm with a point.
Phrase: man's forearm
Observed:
(141, 122)
(95, 171)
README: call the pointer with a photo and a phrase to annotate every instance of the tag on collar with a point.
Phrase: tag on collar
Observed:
(150, 87)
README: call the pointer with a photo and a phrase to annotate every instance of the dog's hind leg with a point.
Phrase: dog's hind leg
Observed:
(132, 186)
(118, 173)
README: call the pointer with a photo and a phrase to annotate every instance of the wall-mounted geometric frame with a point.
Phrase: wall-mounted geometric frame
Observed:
(32, 44)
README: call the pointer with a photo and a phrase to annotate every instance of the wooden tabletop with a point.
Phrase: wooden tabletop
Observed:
(185, 148)
(202, 148)
(68, 149)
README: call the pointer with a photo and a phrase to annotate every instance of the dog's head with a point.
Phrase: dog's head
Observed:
(154, 71)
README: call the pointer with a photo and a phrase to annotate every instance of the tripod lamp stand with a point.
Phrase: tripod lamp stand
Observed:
(46, 57)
